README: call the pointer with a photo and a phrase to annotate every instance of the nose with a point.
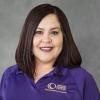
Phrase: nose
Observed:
(46, 38)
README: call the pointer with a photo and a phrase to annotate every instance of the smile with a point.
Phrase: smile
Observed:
(46, 49)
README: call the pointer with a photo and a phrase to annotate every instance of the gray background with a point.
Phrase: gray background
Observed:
(84, 19)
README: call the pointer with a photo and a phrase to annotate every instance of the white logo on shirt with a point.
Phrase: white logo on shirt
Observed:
(56, 87)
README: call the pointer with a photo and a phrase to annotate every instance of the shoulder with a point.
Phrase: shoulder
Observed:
(84, 81)
(10, 71)
(79, 75)
(78, 72)
(82, 75)
(8, 75)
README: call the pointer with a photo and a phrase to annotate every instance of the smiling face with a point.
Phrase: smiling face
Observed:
(48, 40)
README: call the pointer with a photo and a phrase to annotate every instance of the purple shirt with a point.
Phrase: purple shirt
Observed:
(59, 84)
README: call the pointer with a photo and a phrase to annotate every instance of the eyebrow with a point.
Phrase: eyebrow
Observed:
(50, 29)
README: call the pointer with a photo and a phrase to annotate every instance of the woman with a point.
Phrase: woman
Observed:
(48, 62)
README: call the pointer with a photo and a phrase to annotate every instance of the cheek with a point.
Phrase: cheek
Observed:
(36, 42)
(59, 41)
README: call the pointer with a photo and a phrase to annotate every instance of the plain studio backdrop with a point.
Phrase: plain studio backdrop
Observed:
(84, 20)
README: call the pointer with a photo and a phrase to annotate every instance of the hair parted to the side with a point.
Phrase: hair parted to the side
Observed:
(69, 56)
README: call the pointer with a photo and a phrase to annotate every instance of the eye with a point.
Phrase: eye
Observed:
(54, 32)
(39, 32)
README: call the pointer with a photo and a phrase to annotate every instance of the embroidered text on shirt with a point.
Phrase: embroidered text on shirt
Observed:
(56, 87)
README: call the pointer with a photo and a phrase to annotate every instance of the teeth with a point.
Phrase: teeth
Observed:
(46, 48)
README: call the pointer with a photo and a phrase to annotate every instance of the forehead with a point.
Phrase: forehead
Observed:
(49, 21)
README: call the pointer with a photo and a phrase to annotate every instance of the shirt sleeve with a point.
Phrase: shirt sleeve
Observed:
(3, 87)
(91, 91)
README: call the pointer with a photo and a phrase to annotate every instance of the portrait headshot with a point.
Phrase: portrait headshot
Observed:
(49, 63)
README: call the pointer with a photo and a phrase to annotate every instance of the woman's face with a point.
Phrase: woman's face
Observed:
(48, 40)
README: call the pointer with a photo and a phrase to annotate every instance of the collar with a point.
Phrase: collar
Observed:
(59, 71)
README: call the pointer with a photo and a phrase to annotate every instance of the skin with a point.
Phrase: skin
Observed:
(47, 44)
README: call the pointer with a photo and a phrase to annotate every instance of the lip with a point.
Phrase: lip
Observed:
(46, 49)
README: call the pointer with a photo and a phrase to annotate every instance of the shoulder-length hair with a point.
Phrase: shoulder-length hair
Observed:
(69, 56)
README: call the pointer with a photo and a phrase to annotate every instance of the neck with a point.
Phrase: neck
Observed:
(41, 70)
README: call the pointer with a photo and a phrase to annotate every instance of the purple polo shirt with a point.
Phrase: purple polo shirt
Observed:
(59, 84)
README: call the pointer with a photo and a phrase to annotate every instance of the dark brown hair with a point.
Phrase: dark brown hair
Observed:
(69, 56)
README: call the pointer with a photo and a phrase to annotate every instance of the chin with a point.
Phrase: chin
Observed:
(47, 60)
